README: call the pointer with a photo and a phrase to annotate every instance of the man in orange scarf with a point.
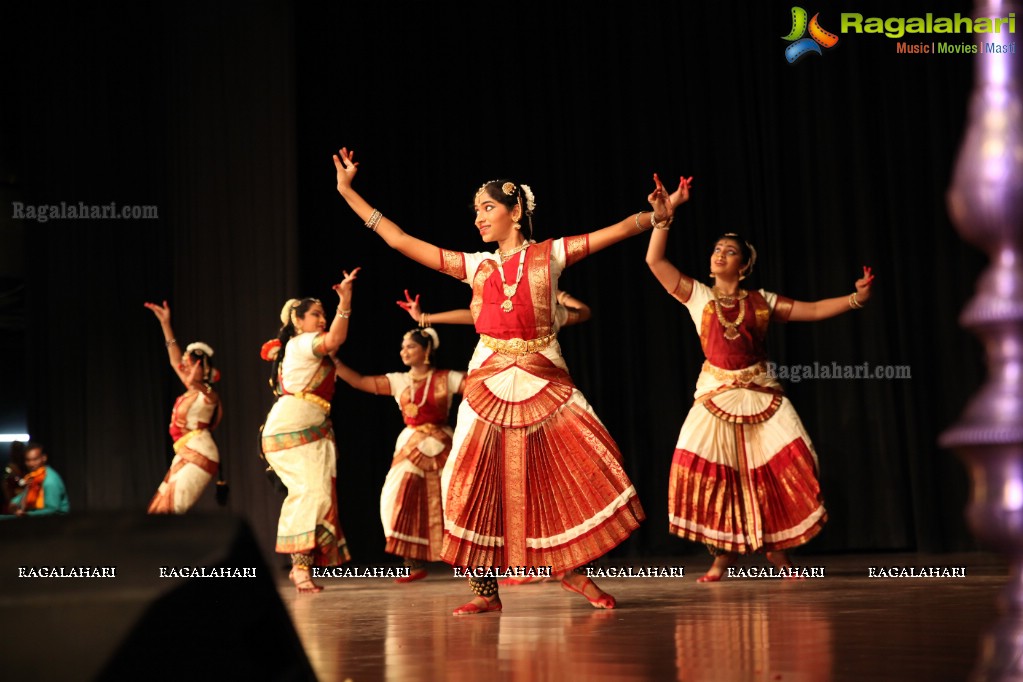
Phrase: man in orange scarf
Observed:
(44, 491)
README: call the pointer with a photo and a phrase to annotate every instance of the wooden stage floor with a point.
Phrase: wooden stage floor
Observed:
(844, 626)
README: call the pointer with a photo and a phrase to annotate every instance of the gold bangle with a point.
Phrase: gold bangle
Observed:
(663, 225)
(374, 218)
(640, 227)
(854, 301)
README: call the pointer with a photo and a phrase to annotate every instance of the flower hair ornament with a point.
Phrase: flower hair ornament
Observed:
(199, 347)
(510, 189)
(434, 336)
(288, 310)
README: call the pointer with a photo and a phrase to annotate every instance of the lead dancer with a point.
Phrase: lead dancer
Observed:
(534, 478)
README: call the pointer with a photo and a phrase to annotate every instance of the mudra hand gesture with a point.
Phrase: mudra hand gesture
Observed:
(162, 312)
(346, 169)
(344, 287)
(411, 306)
(863, 285)
(660, 202)
(681, 195)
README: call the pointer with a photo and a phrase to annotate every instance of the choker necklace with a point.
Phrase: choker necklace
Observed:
(505, 255)
(510, 289)
(412, 409)
(728, 300)
(731, 331)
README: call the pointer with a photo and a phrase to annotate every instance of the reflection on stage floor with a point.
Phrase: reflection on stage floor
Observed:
(846, 625)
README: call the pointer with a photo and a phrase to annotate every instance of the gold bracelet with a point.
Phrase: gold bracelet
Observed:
(170, 342)
(374, 218)
(854, 301)
(640, 227)
(663, 225)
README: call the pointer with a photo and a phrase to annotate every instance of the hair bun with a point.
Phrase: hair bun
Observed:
(289, 305)
(434, 336)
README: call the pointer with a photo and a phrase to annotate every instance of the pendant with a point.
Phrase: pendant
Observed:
(731, 333)
(507, 306)
(509, 289)
(411, 410)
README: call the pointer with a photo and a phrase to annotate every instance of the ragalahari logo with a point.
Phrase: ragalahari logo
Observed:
(802, 46)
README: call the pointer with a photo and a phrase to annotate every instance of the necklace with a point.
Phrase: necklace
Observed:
(510, 289)
(412, 409)
(505, 255)
(731, 332)
(729, 300)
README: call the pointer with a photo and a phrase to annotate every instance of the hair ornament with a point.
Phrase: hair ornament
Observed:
(530, 199)
(289, 307)
(434, 336)
(199, 347)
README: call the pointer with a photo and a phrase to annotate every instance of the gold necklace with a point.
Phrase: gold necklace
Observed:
(731, 331)
(505, 255)
(728, 301)
(411, 409)
(510, 289)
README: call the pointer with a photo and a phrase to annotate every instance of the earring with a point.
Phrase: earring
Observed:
(742, 277)
(713, 276)
(516, 226)
(427, 361)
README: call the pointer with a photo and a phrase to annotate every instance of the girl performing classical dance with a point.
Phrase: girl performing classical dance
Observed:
(744, 474)
(411, 503)
(298, 437)
(570, 310)
(196, 413)
(534, 479)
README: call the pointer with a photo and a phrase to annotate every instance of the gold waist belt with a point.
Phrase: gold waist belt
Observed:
(742, 376)
(517, 346)
(180, 442)
(314, 399)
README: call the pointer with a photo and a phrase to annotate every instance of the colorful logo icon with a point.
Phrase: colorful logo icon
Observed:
(802, 46)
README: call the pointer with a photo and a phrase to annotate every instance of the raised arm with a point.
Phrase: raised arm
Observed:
(660, 215)
(163, 315)
(338, 331)
(803, 311)
(666, 273)
(353, 378)
(422, 252)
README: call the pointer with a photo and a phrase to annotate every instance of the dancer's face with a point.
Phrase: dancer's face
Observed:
(726, 259)
(412, 354)
(314, 319)
(493, 219)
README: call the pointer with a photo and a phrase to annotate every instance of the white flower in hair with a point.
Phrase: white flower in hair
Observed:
(530, 199)
(434, 336)
(199, 346)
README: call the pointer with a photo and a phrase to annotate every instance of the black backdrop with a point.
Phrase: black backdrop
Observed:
(225, 115)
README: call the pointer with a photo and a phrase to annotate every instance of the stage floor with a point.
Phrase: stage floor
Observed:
(843, 626)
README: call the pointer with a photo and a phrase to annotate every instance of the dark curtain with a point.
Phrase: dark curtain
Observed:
(225, 116)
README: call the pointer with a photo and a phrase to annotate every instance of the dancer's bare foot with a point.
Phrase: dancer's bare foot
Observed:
(580, 584)
(721, 564)
(479, 605)
(302, 580)
(780, 560)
